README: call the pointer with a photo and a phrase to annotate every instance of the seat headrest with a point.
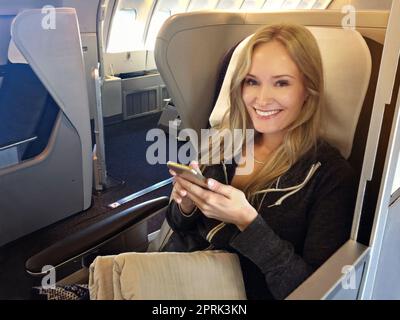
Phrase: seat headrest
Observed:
(14, 55)
(347, 68)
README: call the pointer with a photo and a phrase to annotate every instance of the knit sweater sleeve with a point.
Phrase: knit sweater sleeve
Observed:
(329, 224)
(179, 221)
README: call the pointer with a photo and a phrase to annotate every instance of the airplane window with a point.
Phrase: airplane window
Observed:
(229, 4)
(252, 4)
(202, 5)
(163, 11)
(307, 4)
(321, 4)
(290, 4)
(167, 8)
(273, 5)
(125, 19)
(156, 22)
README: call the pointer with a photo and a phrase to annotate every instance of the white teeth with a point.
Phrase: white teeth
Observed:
(266, 113)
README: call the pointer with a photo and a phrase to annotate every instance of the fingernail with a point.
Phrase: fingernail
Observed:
(172, 173)
(194, 163)
(210, 183)
(179, 200)
(183, 193)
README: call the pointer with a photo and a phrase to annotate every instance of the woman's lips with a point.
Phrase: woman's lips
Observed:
(267, 114)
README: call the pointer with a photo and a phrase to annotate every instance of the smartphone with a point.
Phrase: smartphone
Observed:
(188, 173)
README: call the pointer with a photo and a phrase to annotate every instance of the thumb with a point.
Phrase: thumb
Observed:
(194, 164)
(219, 187)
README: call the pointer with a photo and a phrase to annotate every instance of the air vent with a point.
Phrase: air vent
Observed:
(139, 103)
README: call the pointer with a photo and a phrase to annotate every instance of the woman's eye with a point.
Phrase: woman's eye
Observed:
(282, 83)
(250, 82)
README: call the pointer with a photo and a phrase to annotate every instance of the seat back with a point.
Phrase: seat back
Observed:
(26, 108)
(57, 182)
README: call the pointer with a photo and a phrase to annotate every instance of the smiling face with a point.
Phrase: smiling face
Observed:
(273, 91)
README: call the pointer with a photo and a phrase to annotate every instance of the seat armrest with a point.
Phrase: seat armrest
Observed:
(326, 281)
(93, 236)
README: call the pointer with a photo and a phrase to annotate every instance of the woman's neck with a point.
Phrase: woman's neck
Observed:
(267, 144)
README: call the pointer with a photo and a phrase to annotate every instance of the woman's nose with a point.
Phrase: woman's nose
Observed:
(265, 95)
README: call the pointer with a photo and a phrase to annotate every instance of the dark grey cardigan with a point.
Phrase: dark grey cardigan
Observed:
(302, 221)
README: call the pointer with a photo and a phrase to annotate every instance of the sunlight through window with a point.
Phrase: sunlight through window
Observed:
(126, 32)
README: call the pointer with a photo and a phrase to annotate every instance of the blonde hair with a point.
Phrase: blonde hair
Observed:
(302, 135)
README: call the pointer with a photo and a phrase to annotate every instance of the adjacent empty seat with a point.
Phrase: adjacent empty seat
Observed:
(51, 176)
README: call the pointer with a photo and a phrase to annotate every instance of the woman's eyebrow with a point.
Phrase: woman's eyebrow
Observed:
(251, 76)
(277, 76)
(283, 75)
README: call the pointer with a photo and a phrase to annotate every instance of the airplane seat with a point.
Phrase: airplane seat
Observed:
(198, 42)
(347, 83)
(51, 178)
(26, 109)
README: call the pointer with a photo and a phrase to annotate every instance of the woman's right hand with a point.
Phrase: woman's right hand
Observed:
(179, 194)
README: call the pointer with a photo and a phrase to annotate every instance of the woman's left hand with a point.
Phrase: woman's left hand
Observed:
(221, 202)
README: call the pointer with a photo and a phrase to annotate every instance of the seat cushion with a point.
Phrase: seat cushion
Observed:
(167, 276)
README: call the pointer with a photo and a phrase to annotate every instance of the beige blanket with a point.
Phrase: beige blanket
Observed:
(167, 276)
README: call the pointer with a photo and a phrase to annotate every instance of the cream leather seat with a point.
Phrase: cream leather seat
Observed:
(347, 70)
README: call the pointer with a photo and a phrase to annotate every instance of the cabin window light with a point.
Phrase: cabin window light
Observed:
(252, 4)
(196, 5)
(290, 4)
(229, 4)
(272, 5)
(164, 9)
(321, 4)
(306, 4)
(157, 21)
(126, 32)
(275, 5)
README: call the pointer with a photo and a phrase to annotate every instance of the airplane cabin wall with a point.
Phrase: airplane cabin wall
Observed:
(124, 62)
(115, 91)
(86, 11)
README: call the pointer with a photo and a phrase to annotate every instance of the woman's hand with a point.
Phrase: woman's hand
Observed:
(221, 202)
(179, 194)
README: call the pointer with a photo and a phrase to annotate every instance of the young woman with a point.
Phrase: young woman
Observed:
(295, 208)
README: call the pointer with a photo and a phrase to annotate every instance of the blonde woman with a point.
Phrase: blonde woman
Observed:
(295, 208)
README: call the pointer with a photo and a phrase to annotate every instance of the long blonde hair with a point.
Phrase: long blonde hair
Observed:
(303, 133)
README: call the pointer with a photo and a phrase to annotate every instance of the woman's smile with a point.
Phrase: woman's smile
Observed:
(267, 114)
